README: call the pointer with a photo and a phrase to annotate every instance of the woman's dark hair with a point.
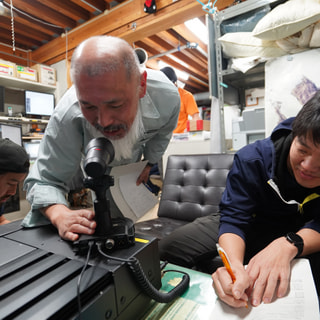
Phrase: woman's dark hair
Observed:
(307, 122)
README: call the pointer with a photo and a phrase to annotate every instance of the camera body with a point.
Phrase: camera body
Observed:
(112, 233)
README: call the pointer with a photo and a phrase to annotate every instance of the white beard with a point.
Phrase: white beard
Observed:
(123, 147)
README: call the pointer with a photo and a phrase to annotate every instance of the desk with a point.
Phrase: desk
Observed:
(200, 302)
(39, 274)
(197, 303)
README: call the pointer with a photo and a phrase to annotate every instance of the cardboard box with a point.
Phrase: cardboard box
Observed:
(27, 73)
(199, 135)
(7, 68)
(46, 74)
(198, 125)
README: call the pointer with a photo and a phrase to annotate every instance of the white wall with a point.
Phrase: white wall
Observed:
(62, 85)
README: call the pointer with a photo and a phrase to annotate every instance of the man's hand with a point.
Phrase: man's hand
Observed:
(70, 223)
(269, 271)
(233, 294)
(144, 175)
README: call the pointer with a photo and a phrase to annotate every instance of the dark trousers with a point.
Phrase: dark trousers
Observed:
(193, 245)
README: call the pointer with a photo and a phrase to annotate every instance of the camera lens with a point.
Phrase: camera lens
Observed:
(99, 153)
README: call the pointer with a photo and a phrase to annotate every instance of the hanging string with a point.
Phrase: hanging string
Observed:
(29, 16)
(12, 28)
(66, 34)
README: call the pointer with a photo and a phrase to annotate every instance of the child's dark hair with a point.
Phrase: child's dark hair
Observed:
(307, 122)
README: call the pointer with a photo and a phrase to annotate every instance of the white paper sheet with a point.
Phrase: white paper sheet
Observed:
(133, 201)
(301, 302)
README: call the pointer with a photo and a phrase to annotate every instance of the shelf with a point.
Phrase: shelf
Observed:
(253, 78)
(15, 83)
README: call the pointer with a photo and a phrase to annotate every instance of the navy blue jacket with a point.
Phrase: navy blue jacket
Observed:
(252, 203)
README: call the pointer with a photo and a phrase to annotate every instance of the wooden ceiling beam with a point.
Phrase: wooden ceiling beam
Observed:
(48, 30)
(69, 9)
(46, 13)
(177, 41)
(187, 56)
(169, 16)
(190, 71)
(151, 46)
(186, 33)
(19, 56)
(91, 5)
(127, 21)
(24, 30)
(7, 38)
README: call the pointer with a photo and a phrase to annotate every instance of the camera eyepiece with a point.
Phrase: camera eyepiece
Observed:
(99, 153)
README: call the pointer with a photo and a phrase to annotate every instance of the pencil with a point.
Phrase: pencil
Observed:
(226, 263)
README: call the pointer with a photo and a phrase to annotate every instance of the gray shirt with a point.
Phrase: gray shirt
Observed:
(68, 133)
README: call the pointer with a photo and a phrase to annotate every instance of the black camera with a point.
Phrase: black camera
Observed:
(113, 233)
(99, 153)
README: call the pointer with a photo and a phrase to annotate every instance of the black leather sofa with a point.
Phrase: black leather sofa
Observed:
(192, 188)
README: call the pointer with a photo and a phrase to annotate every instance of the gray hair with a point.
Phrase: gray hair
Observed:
(103, 54)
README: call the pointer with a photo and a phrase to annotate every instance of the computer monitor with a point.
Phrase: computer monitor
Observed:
(39, 103)
(12, 132)
(32, 148)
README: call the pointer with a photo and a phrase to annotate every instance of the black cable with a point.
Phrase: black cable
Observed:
(146, 285)
(91, 243)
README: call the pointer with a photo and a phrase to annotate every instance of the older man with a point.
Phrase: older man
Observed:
(136, 109)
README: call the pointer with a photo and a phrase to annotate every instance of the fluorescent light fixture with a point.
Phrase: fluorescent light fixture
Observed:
(198, 28)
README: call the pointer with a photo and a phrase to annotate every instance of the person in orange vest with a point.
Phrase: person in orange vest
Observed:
(188, 106)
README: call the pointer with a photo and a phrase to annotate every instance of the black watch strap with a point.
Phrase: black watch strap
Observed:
(297, 241)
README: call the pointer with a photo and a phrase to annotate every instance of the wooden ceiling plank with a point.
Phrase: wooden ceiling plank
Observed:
(19, 56)
(177, 42)
(181, 67)
(187, 34)
(161, 43)
(19, 39)
(24, 30)
(36, 26)
(192, 87)
(164, 19)
(150, 46)
(98, 4)
(170, 38)
(194, 69)
(183, 41)
(68, 8)
(187, 56)
(90, 6)
(117, 22)
(34, 8)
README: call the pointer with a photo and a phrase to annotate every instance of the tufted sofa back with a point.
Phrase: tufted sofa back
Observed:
(193, 185)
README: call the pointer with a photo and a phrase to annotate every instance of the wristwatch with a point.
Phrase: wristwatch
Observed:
(297, 241)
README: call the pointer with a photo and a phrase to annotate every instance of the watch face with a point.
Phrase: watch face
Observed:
(297, 241)
(294, 238)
